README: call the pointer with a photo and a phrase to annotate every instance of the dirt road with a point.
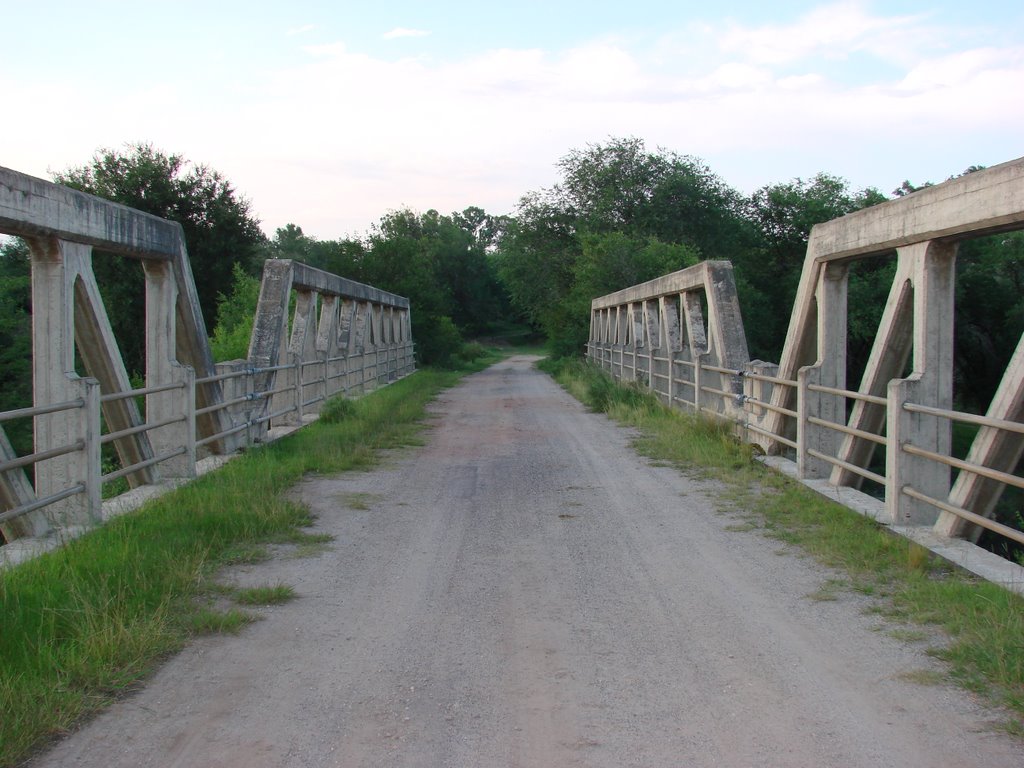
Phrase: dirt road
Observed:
(525, 591)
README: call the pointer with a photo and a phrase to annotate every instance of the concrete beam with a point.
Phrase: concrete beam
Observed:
(979, 203)
(313, 279)
(684, 280)
(31, 207)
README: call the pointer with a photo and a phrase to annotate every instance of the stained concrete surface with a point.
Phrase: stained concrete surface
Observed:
(524, 590)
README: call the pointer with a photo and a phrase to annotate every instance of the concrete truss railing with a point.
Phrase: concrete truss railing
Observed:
(344, 337)
(655, 334)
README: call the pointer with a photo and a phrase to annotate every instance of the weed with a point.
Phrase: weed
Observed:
(749, 525)
(827, 592)
(303, 539)
(917, 557)
(337, 409)
(265, 595)
(924, 677)
(245, 554)
(209, 621)
(359, 501)
(908, 635)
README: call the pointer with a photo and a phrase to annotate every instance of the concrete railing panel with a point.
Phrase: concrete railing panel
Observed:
(187, 413)
(803, 405)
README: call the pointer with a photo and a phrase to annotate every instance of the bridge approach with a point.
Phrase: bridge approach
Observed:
(524, 590)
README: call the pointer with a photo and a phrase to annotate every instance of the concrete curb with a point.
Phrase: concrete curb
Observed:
(959, 552)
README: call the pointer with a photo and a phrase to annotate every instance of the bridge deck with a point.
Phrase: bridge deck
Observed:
(524, 590)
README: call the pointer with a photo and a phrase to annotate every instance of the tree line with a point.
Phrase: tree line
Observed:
(619, 214)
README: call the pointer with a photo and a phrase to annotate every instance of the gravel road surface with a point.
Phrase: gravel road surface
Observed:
(524, 590)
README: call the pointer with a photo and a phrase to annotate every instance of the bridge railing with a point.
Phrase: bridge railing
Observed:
(343, 337)
(655, 334)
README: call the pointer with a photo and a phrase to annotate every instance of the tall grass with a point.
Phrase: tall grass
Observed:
(984, 623)
(80, 625)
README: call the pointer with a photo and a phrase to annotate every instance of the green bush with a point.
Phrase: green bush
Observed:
(438, 341)
(337, 409)
(471, 351)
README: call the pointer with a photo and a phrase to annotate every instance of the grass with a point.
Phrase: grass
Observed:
(85, 623)
(984, 623)
(358, 501)
(265, 595)
(210, 621)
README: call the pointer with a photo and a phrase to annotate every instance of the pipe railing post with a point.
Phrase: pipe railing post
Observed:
(91, 467)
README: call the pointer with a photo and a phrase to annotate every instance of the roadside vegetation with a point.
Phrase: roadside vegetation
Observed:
(83, 624)
(983, 623)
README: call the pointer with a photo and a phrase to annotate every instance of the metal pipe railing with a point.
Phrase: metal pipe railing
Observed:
(111, 436)
(45, 501)
(41, 410)
(628, 363)
(874, 399)
(1011, 533)
(391, 363)
(34, 458)
(128, 393)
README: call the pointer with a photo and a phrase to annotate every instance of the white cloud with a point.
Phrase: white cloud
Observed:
(341, 136)
(961, 68)
(301, 30)
(325, 51)
(831, 31)
(399, 32)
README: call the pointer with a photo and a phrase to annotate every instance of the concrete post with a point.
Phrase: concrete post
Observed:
(888, 357)
(698, 382)
(669, 310)
(807, 405)
(358, 336)
(372, 346)
(303, 347)
(621, 339)
(931, 383)
(101, 357)
(636, 327)
(234, 388)
(54, 381)
(90, 464)
(759, 391)
(326, 336)
(298, 385)
(346, 313)
(698, 342)
(652, 325)
(163, 369)
(829, 371)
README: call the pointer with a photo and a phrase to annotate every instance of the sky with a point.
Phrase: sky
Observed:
(330, 114)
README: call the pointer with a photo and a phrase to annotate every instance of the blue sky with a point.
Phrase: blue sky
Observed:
(329, 114)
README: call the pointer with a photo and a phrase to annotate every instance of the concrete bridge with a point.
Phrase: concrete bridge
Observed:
(345, 337)
(524, 589)
(803, 413)
(342, 337)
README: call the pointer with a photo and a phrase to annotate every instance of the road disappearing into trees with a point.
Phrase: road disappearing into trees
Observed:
(524, 590)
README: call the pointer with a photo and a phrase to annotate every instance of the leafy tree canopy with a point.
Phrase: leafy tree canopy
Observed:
(16, 339)
(219, 228)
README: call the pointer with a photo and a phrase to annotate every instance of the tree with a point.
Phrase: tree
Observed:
(220, 230)
(16, 340)
(989, 314)
(441, 263)
(650, 199)
(236, 312)
(620, 186)
(783, 215)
